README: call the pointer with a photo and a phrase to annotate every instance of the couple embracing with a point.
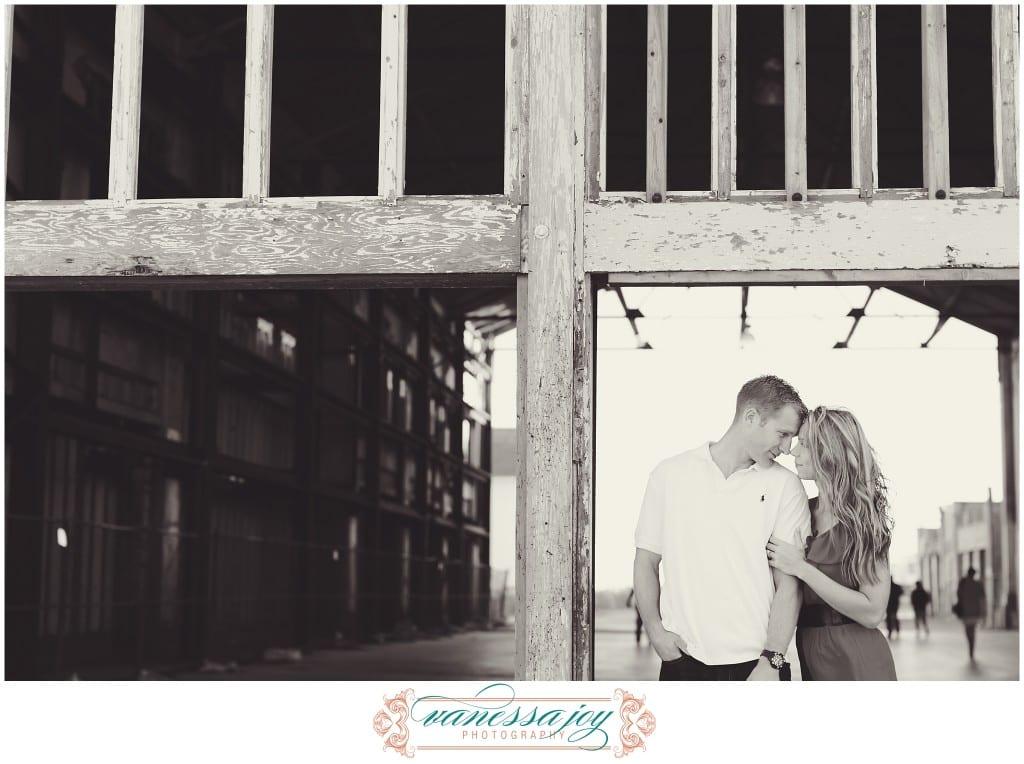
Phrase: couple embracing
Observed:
(746, 559)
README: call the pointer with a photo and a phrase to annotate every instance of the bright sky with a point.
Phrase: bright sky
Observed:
(932, 415)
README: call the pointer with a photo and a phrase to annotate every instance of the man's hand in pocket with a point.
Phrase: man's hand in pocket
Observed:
(668, 645)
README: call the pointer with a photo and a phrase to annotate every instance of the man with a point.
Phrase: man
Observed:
(892, 607)
(706, 518)
(970, 596)
(920, 599)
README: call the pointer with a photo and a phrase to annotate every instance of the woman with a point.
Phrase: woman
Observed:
(844, 568)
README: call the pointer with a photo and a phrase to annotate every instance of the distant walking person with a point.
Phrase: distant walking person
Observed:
(920, 599)
(970, 606)
(892, 620)
(631, 600)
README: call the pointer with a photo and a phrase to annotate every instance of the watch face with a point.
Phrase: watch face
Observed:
(777, 660)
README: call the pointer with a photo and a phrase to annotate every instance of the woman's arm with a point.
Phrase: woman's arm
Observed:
(865, 605)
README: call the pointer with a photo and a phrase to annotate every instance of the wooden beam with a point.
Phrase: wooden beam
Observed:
(9, 37)
(1005, 120)
(596, 104)
(517, 97)
(935, 100)
(723, 100)
(864, 111)
(657, 102)
(522, 461)
(394, 44)
(259, 68)
(757, 236)
(795, 101)
(1009, 388)
(126, 108)
(556, 606)
(211, 237)
(877, 276)
(603, 176)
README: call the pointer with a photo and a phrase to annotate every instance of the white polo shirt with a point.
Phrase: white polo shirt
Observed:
(711, 532)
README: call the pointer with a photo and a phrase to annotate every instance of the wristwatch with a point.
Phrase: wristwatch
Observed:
(775, 660)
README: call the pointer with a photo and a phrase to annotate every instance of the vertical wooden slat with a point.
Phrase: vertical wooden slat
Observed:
(1005, 120)
(595, 100)
(556, 607)
(935, 100)
(863, 100)
(723, 100)
(9, 38)
(657, 102)
(393, 66)
(602, 177)
(522, 460)
(517, 94)
(259, 68)
(126, 110)
(794, 58)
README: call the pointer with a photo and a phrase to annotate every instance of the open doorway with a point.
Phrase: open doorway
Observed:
(918, 364)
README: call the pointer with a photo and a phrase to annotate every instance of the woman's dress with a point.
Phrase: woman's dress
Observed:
(830, 645)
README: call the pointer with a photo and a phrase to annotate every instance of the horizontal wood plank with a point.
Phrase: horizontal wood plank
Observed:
(878, 276)
(196, 238)
(759, 236)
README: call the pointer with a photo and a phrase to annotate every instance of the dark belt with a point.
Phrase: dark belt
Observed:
(821, 615)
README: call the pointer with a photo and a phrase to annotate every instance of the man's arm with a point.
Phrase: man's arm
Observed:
(781, 622)
(647, 588)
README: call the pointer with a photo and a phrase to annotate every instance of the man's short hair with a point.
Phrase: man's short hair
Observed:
(768, 394)
(971, 572)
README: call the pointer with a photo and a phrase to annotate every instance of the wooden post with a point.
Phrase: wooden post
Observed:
(259, 66)
(935, 100)
(522, 464)
(1005, 121)
(517, 95)
(863, 100)
(1009, 385)
(126, 108)
(657, 102)
(603, 176)
(9, 38)
(596, 101)
(794, 55)
(394, 41)
(723, 100)
(554, 605)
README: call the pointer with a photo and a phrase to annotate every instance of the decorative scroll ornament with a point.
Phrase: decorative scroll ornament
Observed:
(637, 723)
(390, 723)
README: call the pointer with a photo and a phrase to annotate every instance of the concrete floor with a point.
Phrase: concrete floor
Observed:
(490, 655)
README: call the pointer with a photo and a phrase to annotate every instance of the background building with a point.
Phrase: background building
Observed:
(972, 535)
(196, 476)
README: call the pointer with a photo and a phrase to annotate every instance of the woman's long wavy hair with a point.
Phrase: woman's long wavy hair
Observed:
(848, 476)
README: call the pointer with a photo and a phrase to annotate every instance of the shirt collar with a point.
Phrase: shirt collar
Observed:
(705, 452)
